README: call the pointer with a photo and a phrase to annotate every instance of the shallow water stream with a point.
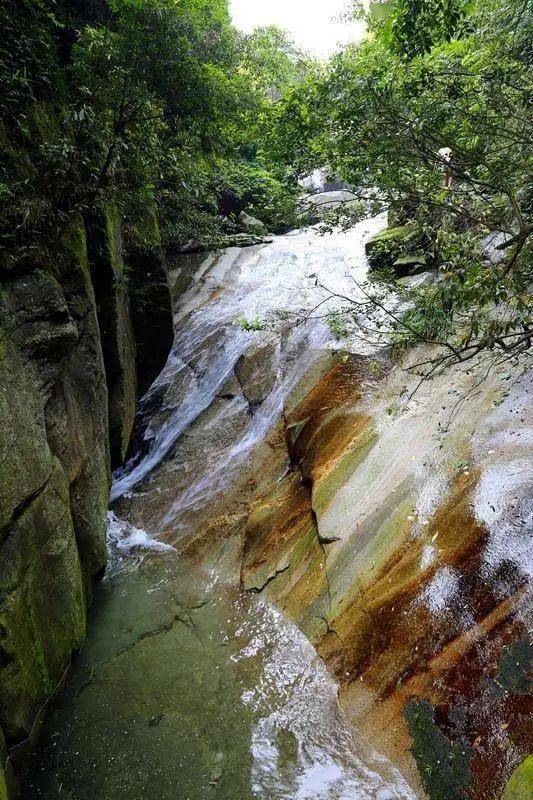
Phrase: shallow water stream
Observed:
(189, 689)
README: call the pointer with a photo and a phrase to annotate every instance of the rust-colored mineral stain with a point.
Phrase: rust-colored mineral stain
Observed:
(331, 424)
(399, 634)
(392, 648)
(276, 522)
(338, 390)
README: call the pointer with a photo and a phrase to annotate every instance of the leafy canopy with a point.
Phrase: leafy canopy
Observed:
(436, 77)
(136, 102)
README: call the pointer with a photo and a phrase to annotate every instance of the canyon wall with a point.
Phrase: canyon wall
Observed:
(79, 338)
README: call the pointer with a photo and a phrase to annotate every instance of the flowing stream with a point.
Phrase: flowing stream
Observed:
(189, 688)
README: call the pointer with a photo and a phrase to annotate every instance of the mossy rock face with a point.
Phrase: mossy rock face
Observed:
(520, 784)
(251, 224)
(397, 233)
(151, 309)
(3, 779)
(111, 281)
(444, 765)
(410, 265)
(43, 613)
(54, 476)
(398, 248)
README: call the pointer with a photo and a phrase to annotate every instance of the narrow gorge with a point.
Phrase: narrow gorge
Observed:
(278, 466)
(266, 511)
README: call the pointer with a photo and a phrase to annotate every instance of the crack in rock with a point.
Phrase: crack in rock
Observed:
(259, 589)
(161, 629)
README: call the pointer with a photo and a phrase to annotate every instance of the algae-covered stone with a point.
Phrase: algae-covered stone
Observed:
(3, 756)
(418, 280)
(397, 233)
(151, 310)
(386, 247)
(444, 765)
(251, 224)
(42, 617)
(410, 264)
(54, 476)
(520, 784)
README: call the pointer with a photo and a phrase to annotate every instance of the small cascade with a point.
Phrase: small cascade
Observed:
(286, 290)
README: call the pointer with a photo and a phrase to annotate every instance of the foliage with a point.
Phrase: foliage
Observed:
(380, 117)
(250, 325)
(425, 319)
(272, 62)
(337, 322)
(417, 25)
(240, 185)
(28, 66)
(134, 102)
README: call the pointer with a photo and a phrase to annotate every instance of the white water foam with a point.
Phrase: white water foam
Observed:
(124, 536)
(295, 698)
(280, 285)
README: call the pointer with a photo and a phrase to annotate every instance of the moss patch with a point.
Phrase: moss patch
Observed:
(443, 764)
(520, 785)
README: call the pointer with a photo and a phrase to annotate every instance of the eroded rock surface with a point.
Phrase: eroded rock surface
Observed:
(68, 375)
(390, 520)
(54, 468)
(405, 532)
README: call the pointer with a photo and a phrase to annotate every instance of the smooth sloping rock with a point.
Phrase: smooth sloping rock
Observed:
(257, 369)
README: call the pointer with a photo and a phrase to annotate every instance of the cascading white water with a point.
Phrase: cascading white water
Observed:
(284, 287)
(295, 695)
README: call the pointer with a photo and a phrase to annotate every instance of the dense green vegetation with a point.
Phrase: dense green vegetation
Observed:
(143, 102)
(433, 76)
(136, 102)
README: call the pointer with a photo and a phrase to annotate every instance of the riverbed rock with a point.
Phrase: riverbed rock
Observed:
(223, 241)
(251, 224)
(387, 518)
(257, 369)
